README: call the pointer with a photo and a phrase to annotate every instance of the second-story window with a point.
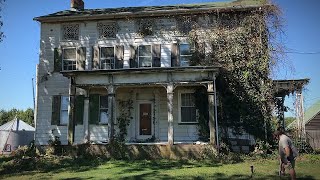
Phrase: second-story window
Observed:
(145, 56)
(185, 54)
(106, 57)
(69, 58)
(70, 32)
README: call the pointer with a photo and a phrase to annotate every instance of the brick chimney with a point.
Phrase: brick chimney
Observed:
(77, 5)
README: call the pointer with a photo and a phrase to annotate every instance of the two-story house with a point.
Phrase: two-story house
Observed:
(100, 66)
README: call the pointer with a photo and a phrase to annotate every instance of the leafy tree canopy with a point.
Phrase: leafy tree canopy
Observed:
(26, 116)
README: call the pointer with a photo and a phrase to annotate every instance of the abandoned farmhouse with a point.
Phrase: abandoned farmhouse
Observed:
(132, 72)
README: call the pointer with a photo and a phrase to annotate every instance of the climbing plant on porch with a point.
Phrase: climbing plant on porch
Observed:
(124, 118)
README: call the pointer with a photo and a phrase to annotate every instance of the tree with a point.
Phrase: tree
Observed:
(27, 115)
(1, 22)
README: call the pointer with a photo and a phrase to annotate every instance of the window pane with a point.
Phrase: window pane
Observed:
(107, 63)
(145, 62)
(104, 117)
(107, 52)
(185, 49)
(64, 117)
(187, 99)
(104, 102)
(69, 53)
(64, 103)
(185, 60)
(188, 114)
(145, 50)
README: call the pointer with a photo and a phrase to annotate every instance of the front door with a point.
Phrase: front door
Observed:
(145, 120)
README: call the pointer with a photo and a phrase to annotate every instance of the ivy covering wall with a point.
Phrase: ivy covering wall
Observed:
(242, 42)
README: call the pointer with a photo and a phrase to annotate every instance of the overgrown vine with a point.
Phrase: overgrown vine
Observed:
(124, 118)
(243, 43)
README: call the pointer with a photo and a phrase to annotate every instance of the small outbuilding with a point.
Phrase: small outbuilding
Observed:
(312, 125)
(13, 134)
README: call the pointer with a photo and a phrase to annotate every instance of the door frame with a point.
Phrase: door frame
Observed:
(143, 137)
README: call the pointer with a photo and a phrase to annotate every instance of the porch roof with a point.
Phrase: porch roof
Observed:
(286, 87)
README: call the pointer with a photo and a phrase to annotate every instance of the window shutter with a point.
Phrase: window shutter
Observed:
(156, 55)
(79, 109)
(81, 61)
(57, 60)
(175, 55)
(119, 57)
(94, 109)
(56, 105)
(133, 56)
(95, 57)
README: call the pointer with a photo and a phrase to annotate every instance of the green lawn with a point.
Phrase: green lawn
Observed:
(308, 167)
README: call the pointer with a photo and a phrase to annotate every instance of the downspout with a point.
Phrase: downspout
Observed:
(215, 111)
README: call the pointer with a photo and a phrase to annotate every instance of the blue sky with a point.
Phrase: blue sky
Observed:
(19, 52)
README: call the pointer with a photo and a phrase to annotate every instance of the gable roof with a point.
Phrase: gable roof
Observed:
(16, 125)
(147, 11)
(312, 112)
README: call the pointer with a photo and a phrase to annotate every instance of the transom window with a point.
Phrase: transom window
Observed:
(104, 116)
(70, 31)
(64, 116)
(69, 58)
(145, 56)
(107, 30)
(106, 57)
(185, 54)
(187, 108)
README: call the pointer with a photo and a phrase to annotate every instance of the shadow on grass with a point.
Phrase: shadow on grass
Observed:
(140, 169)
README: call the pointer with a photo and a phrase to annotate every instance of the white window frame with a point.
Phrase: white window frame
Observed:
(112, 64)
(62, 32)
(144, 56)
(65, 110)
(185, 64)
(69, 60)
(180, 106)
(104, 110)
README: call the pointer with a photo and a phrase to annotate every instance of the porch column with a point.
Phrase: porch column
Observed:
(211, 110)
(71, 111)
(170, 112)
(111, 101)
(86, 118)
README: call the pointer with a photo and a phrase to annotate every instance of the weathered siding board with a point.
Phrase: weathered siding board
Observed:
(98, 133)
(313, 137)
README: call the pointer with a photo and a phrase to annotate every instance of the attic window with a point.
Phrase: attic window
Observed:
(107, 30)
(145, 27)
(70, 32)
(185, 24)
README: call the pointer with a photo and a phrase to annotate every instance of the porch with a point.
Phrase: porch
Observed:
(156, 97)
